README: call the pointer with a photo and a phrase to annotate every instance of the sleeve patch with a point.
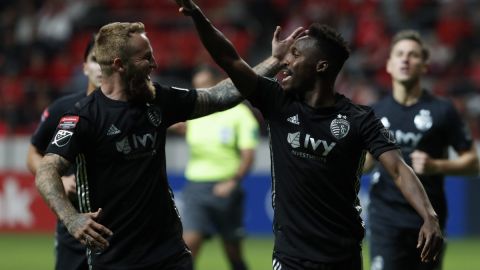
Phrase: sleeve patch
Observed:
(45, 115)
(68, 122)
(62, 137)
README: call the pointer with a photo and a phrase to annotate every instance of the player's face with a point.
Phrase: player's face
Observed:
(138, 69)
(92, 70)
(406, 63)
(300, 65)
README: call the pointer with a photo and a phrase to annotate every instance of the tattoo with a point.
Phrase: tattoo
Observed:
(268, 68)
(220, 97)
(225, 95)
(49, 184)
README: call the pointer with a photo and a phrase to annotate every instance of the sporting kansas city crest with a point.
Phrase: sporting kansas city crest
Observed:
(340, 126)
(423, 120)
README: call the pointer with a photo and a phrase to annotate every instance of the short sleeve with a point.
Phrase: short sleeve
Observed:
(377, 138)
(267, 97)
(45, 130)
(177, 103)
(67, 138)
(248, 128)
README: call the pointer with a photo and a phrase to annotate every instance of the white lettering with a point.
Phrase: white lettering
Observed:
(407, 138)
(327, 147)
(15, 205)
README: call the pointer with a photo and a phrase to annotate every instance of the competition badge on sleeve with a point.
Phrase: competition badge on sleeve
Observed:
(63, 135)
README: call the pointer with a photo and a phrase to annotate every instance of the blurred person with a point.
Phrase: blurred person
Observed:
(222, 150)
(69, 253)
(116, 139)
(424, 127)
(318, 144)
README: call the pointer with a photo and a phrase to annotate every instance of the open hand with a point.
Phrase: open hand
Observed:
(280, 48)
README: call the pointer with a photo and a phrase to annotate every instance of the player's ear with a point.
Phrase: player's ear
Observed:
(117, 65)
(388, 67)
(322, 66)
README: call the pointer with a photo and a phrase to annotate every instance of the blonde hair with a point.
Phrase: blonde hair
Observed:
(411, 35)
(112, 42)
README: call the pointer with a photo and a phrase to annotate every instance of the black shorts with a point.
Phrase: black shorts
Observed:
(282, 262)
(396, 249)
(70, 254)
(203, 212)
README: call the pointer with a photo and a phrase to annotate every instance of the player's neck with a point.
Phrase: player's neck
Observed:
(113, 88)
(406, 94)
(323, 95)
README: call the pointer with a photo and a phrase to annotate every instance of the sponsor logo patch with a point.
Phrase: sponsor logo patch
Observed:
(62, 137)
(68, 122)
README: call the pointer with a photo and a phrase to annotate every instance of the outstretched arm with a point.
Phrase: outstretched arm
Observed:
(243, 81)
(430, 237)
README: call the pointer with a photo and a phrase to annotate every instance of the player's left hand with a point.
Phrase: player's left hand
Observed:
(225, 188)
(422, 163)
(280, 47)
(430, 240)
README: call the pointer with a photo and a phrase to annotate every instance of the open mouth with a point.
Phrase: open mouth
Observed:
(286, 75)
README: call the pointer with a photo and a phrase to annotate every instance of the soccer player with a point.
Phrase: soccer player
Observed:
(424, 127)
(318, 142)
(222, 150)
(116, 139)
(69, 253)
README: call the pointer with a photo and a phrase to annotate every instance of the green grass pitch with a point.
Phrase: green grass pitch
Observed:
(35, 252)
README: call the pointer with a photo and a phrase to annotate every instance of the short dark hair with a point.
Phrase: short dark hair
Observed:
(332, 45)
(411, 35)
(89, 47)
(215, 72)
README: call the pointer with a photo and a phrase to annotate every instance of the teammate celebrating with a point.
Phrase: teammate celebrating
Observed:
(424, 126)
(318, 141)
(116, 138)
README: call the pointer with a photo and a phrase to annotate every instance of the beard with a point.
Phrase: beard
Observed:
(140, 88)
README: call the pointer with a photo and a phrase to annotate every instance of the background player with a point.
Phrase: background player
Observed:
(69, 253)
(424, 126)
(222, 150)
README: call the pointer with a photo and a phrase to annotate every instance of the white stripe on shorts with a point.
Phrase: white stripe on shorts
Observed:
(276, 264)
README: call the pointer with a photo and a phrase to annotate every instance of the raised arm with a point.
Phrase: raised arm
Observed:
(430, 237)
(81, 226)
(226, 94)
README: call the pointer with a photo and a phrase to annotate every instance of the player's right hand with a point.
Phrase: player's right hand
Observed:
(84, 228)
(430, 240)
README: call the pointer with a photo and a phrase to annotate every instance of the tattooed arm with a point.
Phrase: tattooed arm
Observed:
(49, 184)
(227, 94)
(82, 226)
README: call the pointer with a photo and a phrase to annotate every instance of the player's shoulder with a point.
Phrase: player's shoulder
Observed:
(64, 103)
(354, 109)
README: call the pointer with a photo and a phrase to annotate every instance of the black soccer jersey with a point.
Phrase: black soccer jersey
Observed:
(50, 117)
(430, 125)
(317, 156)
(119, 149)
